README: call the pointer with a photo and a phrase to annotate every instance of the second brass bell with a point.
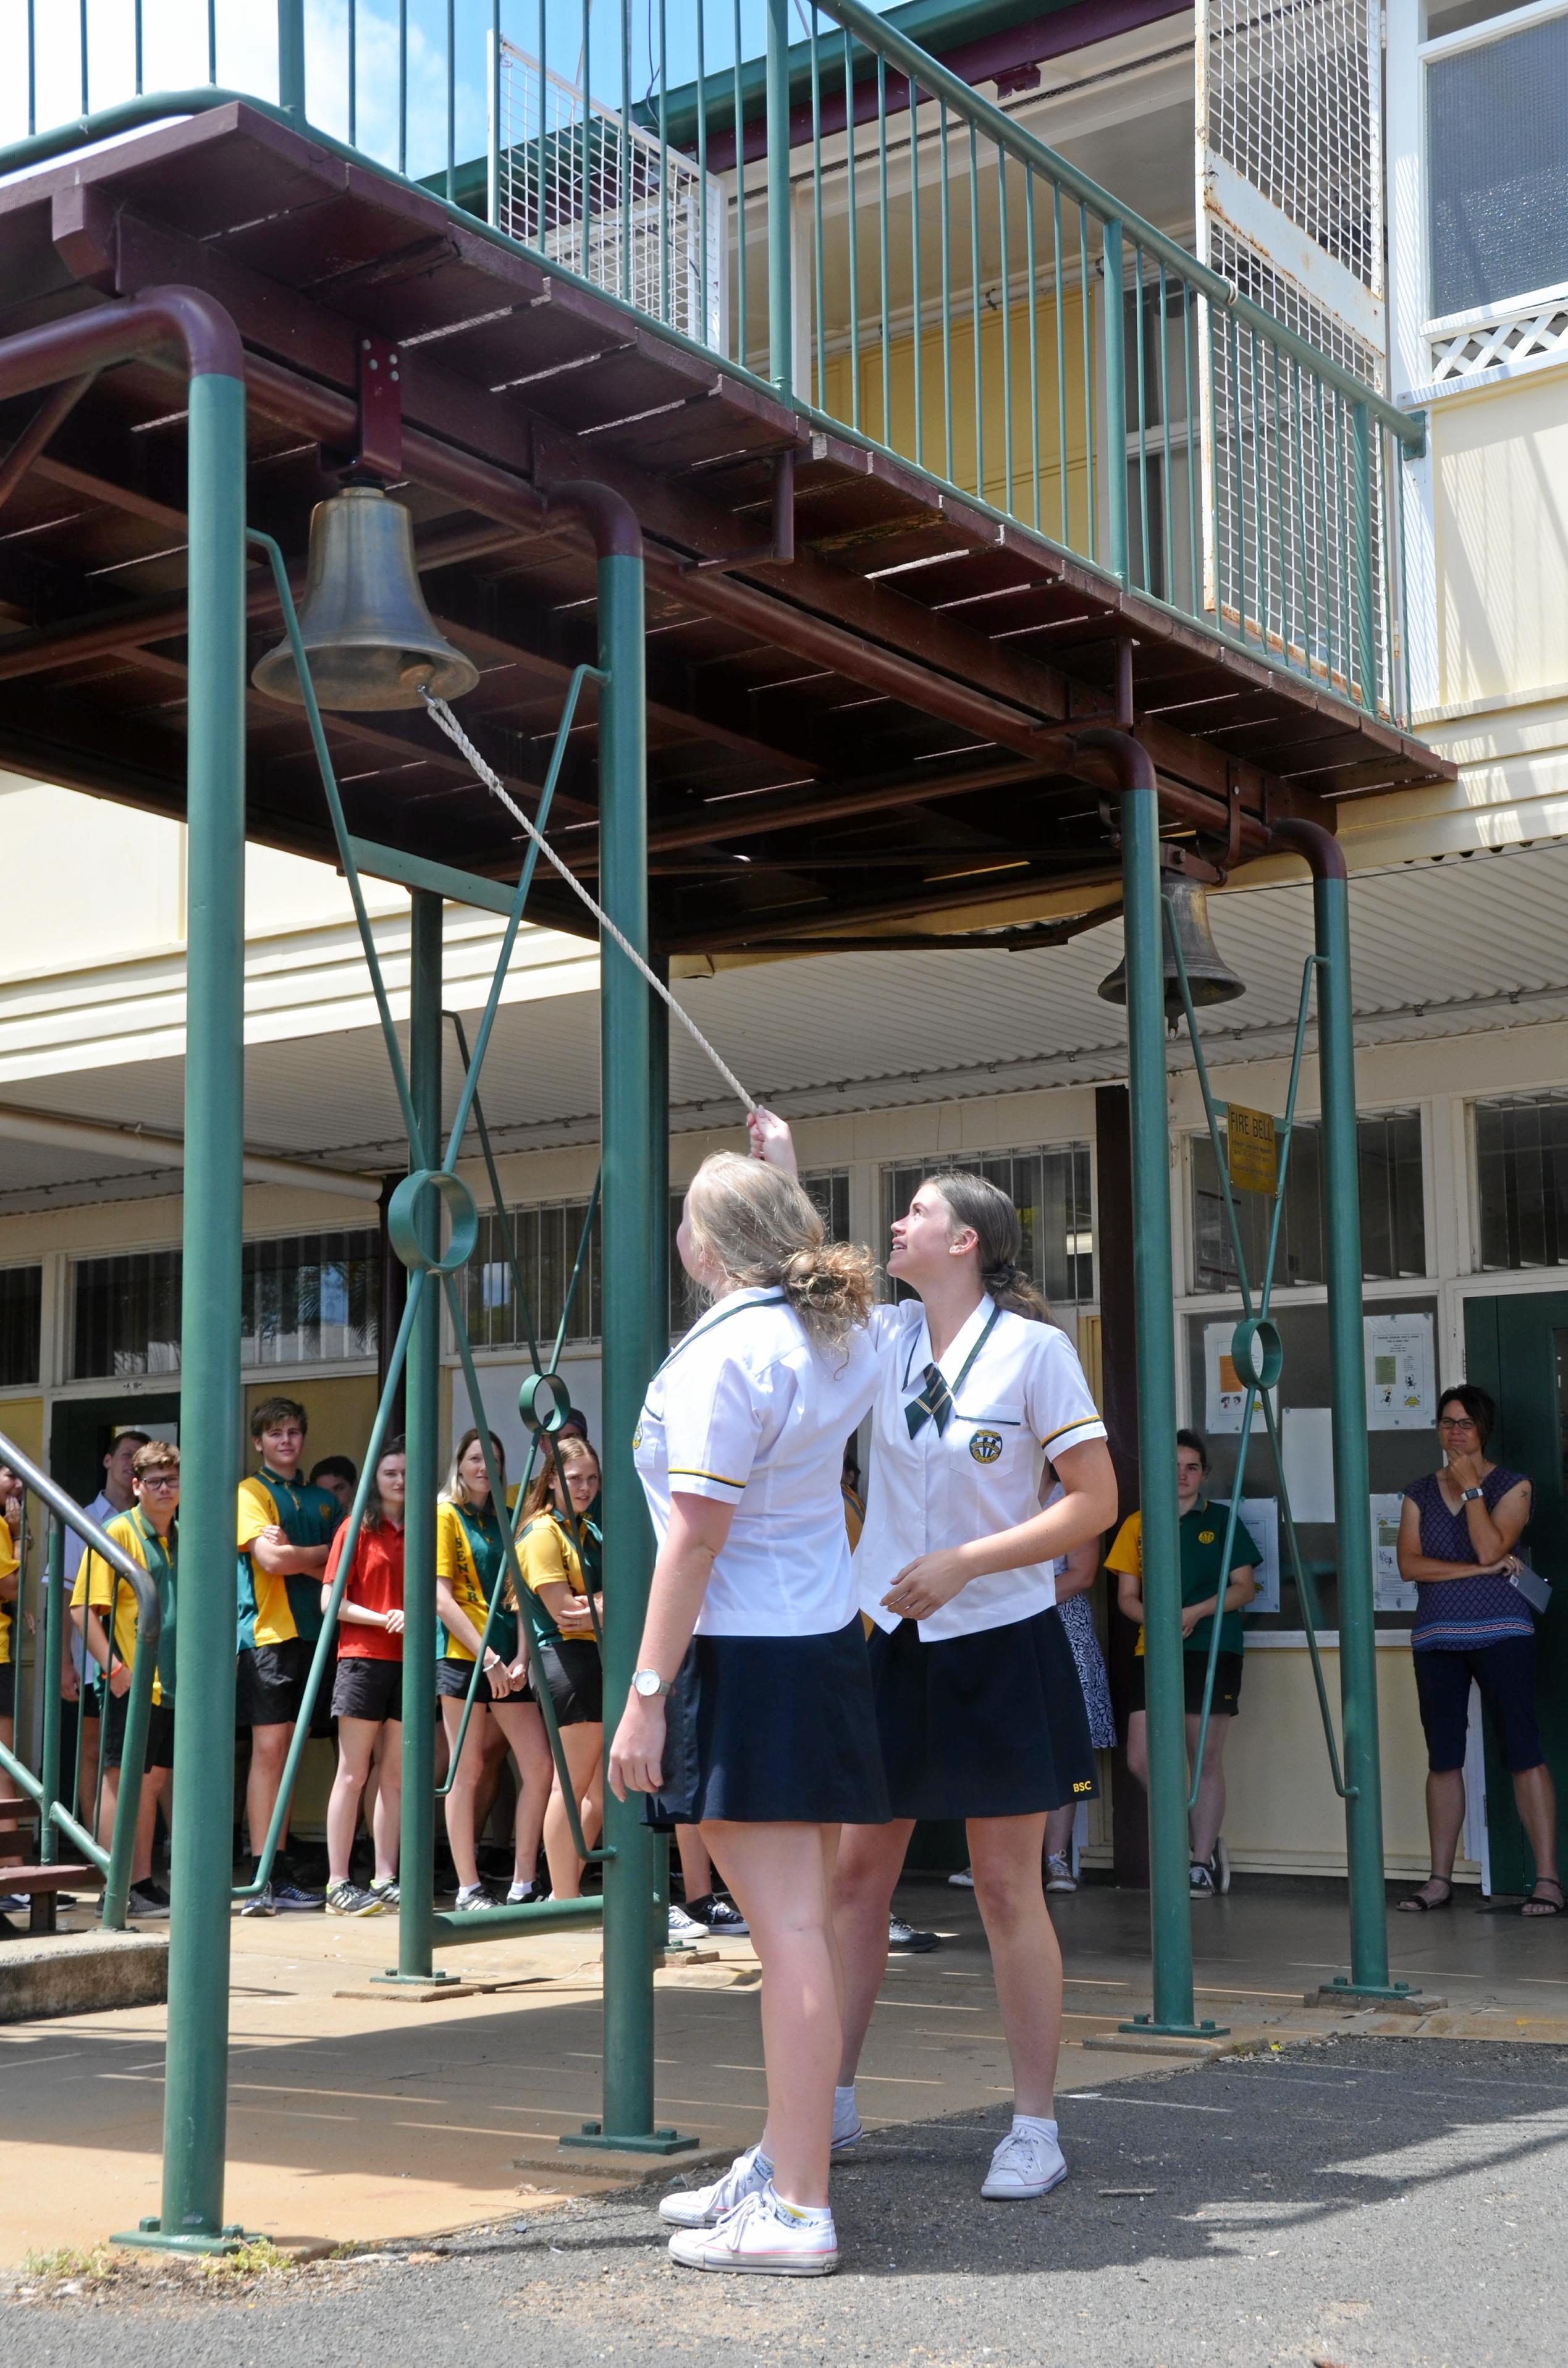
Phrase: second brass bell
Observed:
(1209, 977)
(369, 639)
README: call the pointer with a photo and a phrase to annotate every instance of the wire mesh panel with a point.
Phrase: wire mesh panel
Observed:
(590, 188)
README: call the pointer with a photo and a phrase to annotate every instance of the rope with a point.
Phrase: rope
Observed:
(442, 714)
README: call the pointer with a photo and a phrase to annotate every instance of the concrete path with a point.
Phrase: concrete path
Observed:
(1352, 2203)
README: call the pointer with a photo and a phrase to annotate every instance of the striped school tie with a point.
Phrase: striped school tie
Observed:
(935, 1403)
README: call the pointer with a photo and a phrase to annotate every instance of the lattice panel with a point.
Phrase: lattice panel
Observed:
(1294, 107)
(1535, 331)
(1282, 527)
(580, 184)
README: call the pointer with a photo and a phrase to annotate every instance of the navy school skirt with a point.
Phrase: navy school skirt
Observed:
(988, 1726)
(773, 1730)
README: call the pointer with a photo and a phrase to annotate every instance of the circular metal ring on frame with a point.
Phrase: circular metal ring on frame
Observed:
(1257, 1352)
(544, 1400)
(404, 1220)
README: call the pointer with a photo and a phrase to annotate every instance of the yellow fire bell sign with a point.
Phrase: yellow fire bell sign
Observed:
(1253, 1149)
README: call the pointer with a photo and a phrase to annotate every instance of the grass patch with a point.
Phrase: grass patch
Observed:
(90, 2267)
(258, 2256)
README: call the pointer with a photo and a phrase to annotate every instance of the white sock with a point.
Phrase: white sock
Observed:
(1033, 2125)
(810, 2215)
(844, 2112)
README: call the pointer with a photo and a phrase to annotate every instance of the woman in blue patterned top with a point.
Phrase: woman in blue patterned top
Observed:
(1457, 1529)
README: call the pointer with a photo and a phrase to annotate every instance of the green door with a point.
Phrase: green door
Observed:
(1516, 1349)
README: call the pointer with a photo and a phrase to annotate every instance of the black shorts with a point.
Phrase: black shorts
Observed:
(366, 1689)
(160, 1733)
(1194, 1669)
(1506, 1675)
(7, 1689)
(574, 1674)
(270, 1682)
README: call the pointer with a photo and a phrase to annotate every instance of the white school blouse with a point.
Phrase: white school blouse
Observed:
(1023, 1401)
(746, 1410)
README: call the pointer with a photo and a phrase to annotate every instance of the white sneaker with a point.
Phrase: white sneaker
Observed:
(1058, 1874)
(704, 2207)
(684, 1926)
(963, 1881)
(1028, 2162)
(765, 2236)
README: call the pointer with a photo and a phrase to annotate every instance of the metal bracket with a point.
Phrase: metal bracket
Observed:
(780, 552)
(378, 456)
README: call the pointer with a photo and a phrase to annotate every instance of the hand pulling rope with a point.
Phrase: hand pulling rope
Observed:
(442, 714)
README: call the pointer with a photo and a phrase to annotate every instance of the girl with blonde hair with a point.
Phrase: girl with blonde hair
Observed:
(751, 1712)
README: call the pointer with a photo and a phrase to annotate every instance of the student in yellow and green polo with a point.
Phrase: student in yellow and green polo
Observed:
(285, 1527)
(1202, 1540)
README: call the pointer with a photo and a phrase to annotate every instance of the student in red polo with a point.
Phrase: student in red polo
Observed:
(366, 1694)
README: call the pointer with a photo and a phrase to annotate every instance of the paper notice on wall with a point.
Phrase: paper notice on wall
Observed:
(1402, 1381)
(1306, 1445)
(1389, 1592)
(1260, 1518)
(1224, 1392)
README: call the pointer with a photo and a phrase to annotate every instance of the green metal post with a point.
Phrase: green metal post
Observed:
(659, 1307)
(292, 56)
(1170, 1911)
(1366, 652)
(196, 2090)
(1116, 416)
(1341, 1207)
(49, 1761)
(634, 1218)
(780, 243)
(417, 1852)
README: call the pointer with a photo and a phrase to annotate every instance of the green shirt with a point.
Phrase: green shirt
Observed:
(1202, 1537)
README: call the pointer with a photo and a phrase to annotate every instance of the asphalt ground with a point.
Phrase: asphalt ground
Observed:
(1366, 2203)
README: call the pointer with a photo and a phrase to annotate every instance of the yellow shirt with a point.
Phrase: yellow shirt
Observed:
(456, 1567)
(7, 1564)
(548, 1558)
(97, 1586)
(273, 1609)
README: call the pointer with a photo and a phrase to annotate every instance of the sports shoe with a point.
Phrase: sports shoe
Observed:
(1058, 1874)
(146, 1903)
(472, 1899)
(384, 1889)
(1200, 1881)
(14, 1903)
(905, 1936)
(1028, 2162)
(963, 1881)
(264, 1904)
(1220, 1864)
(291, 1898)
(704, 2207)
(719, 1917)
(348, 1899)
(684, 1926)
(524, 1895)
(762, 2235)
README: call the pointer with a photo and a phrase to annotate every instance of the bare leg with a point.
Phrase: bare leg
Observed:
(356, 1741)
(1444, 1818)
(494, 1745)
(269, 1751)
(782, 1879)
(1058, 1830)
(460, 1814)
(1138, 1746)
(91, 1730)
(1537, 1813)
(1005, 1853)
(870, 1859)
(523, 1728)
(1207, 1818)
(153, 1790)
(584, 1748)
(388, 1801)
(695, 1866)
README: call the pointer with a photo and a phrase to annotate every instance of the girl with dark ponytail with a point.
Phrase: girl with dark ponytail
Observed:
(979, 1709)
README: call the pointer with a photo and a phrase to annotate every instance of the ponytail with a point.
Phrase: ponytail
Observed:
(758, 1225)
(975, 1201)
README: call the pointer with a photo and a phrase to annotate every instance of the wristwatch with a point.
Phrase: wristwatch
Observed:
(1469, 1496)
(650, 1685)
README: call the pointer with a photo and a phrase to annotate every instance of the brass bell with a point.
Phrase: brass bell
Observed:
(371, 641)
(1208, 977)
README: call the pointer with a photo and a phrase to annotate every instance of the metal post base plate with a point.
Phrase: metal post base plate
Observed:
(150, 2237)
(392, 1979)
(594, 2135)
(1389, 1994)
(1143, 2026)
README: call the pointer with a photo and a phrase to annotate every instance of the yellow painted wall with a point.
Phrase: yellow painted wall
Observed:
(1500, 488)
(1019, 496)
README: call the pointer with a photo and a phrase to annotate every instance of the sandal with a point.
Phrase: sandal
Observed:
(1546, 1908)
(1417, 1904)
